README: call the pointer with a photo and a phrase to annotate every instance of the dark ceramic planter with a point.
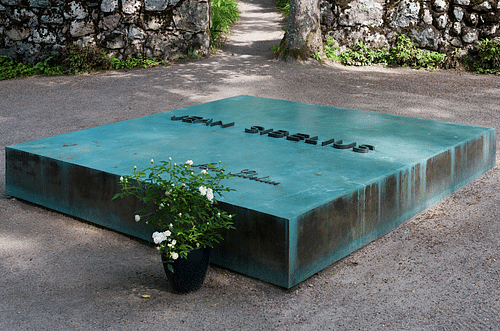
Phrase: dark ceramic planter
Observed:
(189, 273)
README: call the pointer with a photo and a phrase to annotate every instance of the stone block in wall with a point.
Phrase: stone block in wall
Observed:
(191, 15)
(469, 35)
(441, 21)
(405, 14)
(462, 2)
(19, 15)
(116, 42)
(108, 6)
(85, 41)
(427, 16)
(130, 7)
(43, 35)
(155, 5)
(471, 19)
(440, 6)
(483, 7)
(76, 11)
(11, 2)
(81, 28)
(428, 38)
(153, 23)
(363, 12)
(136, 35)
(458, 14)
(39, 3)
(110, 22)
(52, 18)
(457, 28)
(17, 33)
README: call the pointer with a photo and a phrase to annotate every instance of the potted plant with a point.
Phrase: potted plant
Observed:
(180, 205)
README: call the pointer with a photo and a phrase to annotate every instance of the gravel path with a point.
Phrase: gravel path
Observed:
(439, 271)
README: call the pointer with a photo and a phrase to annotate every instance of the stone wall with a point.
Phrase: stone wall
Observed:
(440, 25)
(31, 30)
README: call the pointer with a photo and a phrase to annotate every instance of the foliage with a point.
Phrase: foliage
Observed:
(362, 55)
(80, 60)
(403, 53)
(407, 54)
(283, 7)
(331, 50)
(488, 61)
(180, 205)
(75, 60)
(11, 69)
(224, 14)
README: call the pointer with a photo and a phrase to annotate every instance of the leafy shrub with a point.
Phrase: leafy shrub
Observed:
(86, 59)
(224, 14)
(331, 50)
(362, 55)
(405, 53)
(10, 68)
(488, 61)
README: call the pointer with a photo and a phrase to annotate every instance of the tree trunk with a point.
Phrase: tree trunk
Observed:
(303, 33)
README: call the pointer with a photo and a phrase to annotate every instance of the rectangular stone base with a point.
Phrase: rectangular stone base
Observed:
(304, 198)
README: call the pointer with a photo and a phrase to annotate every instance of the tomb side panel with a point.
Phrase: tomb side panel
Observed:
(474, 158)
(325, 235)
(258, 247)
(90, 194)
(438, 175)
(35, 179)
(74, 190)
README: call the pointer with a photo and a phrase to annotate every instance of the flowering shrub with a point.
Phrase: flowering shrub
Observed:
(180, 205)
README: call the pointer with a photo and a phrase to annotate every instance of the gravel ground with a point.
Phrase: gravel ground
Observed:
(438, 271)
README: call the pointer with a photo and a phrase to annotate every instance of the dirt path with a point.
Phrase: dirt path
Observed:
(439, 271)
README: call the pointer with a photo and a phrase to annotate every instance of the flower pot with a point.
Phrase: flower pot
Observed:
(189, 273)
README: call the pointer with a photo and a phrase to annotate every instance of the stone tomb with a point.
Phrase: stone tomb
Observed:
(313, 183)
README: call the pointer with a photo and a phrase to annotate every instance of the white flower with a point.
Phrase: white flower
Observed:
(180, 214)
(135, 167)
(173, 184)
(175, 164)
(161, 205)
(137, 218)
(203, 190)
(121, 178)
(218, 214)
(158, 237)
(189, 162)
(183, 184)
(167, 233)
(152, 161)
(174, 242)
(174, 255)
(171, 225)
(210, 194)
(169, 158)
(204, 171)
